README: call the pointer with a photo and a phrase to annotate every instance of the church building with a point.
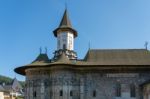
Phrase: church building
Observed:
(101, 74)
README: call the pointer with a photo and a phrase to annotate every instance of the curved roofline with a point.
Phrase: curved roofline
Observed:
(96, 67)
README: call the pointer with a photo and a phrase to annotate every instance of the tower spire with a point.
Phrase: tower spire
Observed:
(65, 25)
(65, 22)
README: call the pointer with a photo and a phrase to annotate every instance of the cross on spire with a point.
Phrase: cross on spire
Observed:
(66, 5)
(146, 44)
(40, 50)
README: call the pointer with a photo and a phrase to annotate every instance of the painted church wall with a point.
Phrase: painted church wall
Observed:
(67, 84)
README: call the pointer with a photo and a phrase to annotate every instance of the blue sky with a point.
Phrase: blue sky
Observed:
(27, 25)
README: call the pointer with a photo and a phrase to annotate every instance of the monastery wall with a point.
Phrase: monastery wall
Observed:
(68, 84)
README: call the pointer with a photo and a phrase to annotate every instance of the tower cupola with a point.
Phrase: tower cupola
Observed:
(65, 35)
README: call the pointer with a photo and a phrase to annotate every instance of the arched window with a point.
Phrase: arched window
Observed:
(94, 93)
(51, 93)
(61, 93)
(34, 94)
(118, 90)
(132, 90)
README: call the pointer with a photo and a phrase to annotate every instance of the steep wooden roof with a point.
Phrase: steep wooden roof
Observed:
(42, 58)
(1, 88)
(16, 85)
(98, 59)
(65, 22)
(118, 56)
(65, 25)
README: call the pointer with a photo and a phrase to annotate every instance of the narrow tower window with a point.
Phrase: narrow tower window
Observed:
(64, 46)
(61, 93)
(94, 93)
(118, 90)
(132, 90)
(58, 44)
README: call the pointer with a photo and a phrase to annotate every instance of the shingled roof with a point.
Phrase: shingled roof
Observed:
(1, 88)
(118, 56)
(63, 58)
(16, 85)
(65, 22)
(42, 58)
(65, 25)
(111, 59)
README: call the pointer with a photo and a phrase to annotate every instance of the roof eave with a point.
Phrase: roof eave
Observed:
(65, 29)
(21, 70)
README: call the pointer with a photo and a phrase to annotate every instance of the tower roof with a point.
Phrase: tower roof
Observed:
(65, 25)
(1, 88)
(65, 22)
(16, 85)
(63, 58)
(42, 58)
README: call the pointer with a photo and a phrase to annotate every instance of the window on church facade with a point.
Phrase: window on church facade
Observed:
(34, 94)
(51, 93)
(132, 90)
(118, 90)
(71, 93)
(61, 93)
(94, 93)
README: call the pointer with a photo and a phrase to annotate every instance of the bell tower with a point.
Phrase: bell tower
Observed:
(65, 35)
